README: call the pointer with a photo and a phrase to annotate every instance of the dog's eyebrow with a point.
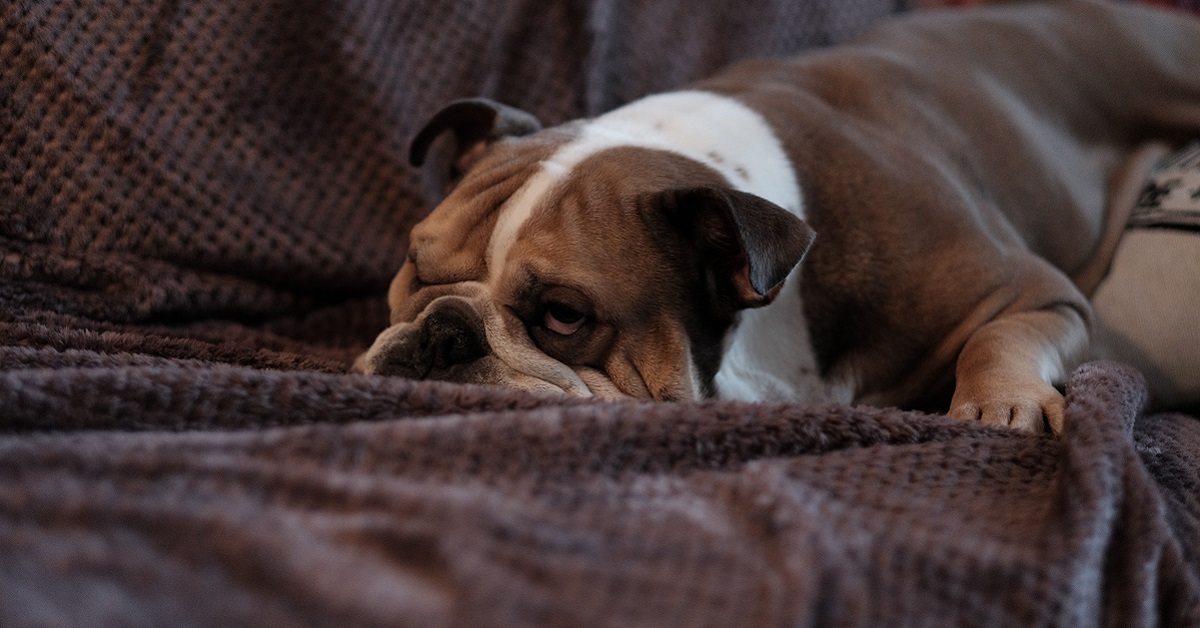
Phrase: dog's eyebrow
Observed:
(534, 284)
(529, 284)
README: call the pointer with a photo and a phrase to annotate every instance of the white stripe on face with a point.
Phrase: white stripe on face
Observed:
(714, 130)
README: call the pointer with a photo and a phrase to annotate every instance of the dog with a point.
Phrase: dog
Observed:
(912, 218)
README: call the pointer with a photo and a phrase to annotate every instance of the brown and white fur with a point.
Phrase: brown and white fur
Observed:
(966, 175)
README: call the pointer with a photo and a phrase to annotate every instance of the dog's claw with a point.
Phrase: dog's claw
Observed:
(1031, 408)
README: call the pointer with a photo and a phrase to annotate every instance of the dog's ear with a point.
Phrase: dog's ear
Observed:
(747, 244)
(476, 122)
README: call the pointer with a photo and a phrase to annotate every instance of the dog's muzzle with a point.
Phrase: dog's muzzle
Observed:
(450, 334)
(464, 338)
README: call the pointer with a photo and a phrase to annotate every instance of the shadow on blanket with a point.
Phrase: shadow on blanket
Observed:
(201, 206)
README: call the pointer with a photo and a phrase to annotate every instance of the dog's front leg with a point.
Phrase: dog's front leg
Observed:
(1007, 370)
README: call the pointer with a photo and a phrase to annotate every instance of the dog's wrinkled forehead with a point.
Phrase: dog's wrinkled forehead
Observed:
(450, 245)
(660, 143)
(513, 211)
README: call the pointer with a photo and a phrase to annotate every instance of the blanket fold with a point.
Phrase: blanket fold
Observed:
(605, 514)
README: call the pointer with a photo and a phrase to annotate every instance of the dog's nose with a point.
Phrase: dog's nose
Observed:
(452, 334)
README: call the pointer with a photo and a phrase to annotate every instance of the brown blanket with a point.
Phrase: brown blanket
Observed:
(201, 205)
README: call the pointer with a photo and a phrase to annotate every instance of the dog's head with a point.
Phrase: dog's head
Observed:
(586, 267)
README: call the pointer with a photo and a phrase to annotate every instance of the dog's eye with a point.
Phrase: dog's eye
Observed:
(562, 319)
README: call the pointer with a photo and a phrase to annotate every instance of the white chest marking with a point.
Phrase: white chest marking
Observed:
(769, 356)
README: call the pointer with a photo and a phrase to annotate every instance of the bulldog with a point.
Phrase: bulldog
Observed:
(914, 218)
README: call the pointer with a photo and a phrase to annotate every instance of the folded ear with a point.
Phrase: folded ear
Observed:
(747, 243)
(476, 122)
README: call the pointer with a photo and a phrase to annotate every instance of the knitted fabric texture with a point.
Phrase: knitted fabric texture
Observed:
(201, 207)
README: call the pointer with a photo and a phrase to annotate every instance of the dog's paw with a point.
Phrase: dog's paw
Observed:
(1029, 405)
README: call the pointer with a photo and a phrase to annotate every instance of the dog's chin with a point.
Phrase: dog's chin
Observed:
(491, 371)
(600, 385)
(584, 382)
(590, 384)
(596, 385)
(547, 377)
(540, 376)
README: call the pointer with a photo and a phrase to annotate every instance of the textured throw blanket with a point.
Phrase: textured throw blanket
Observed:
(201, 206)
